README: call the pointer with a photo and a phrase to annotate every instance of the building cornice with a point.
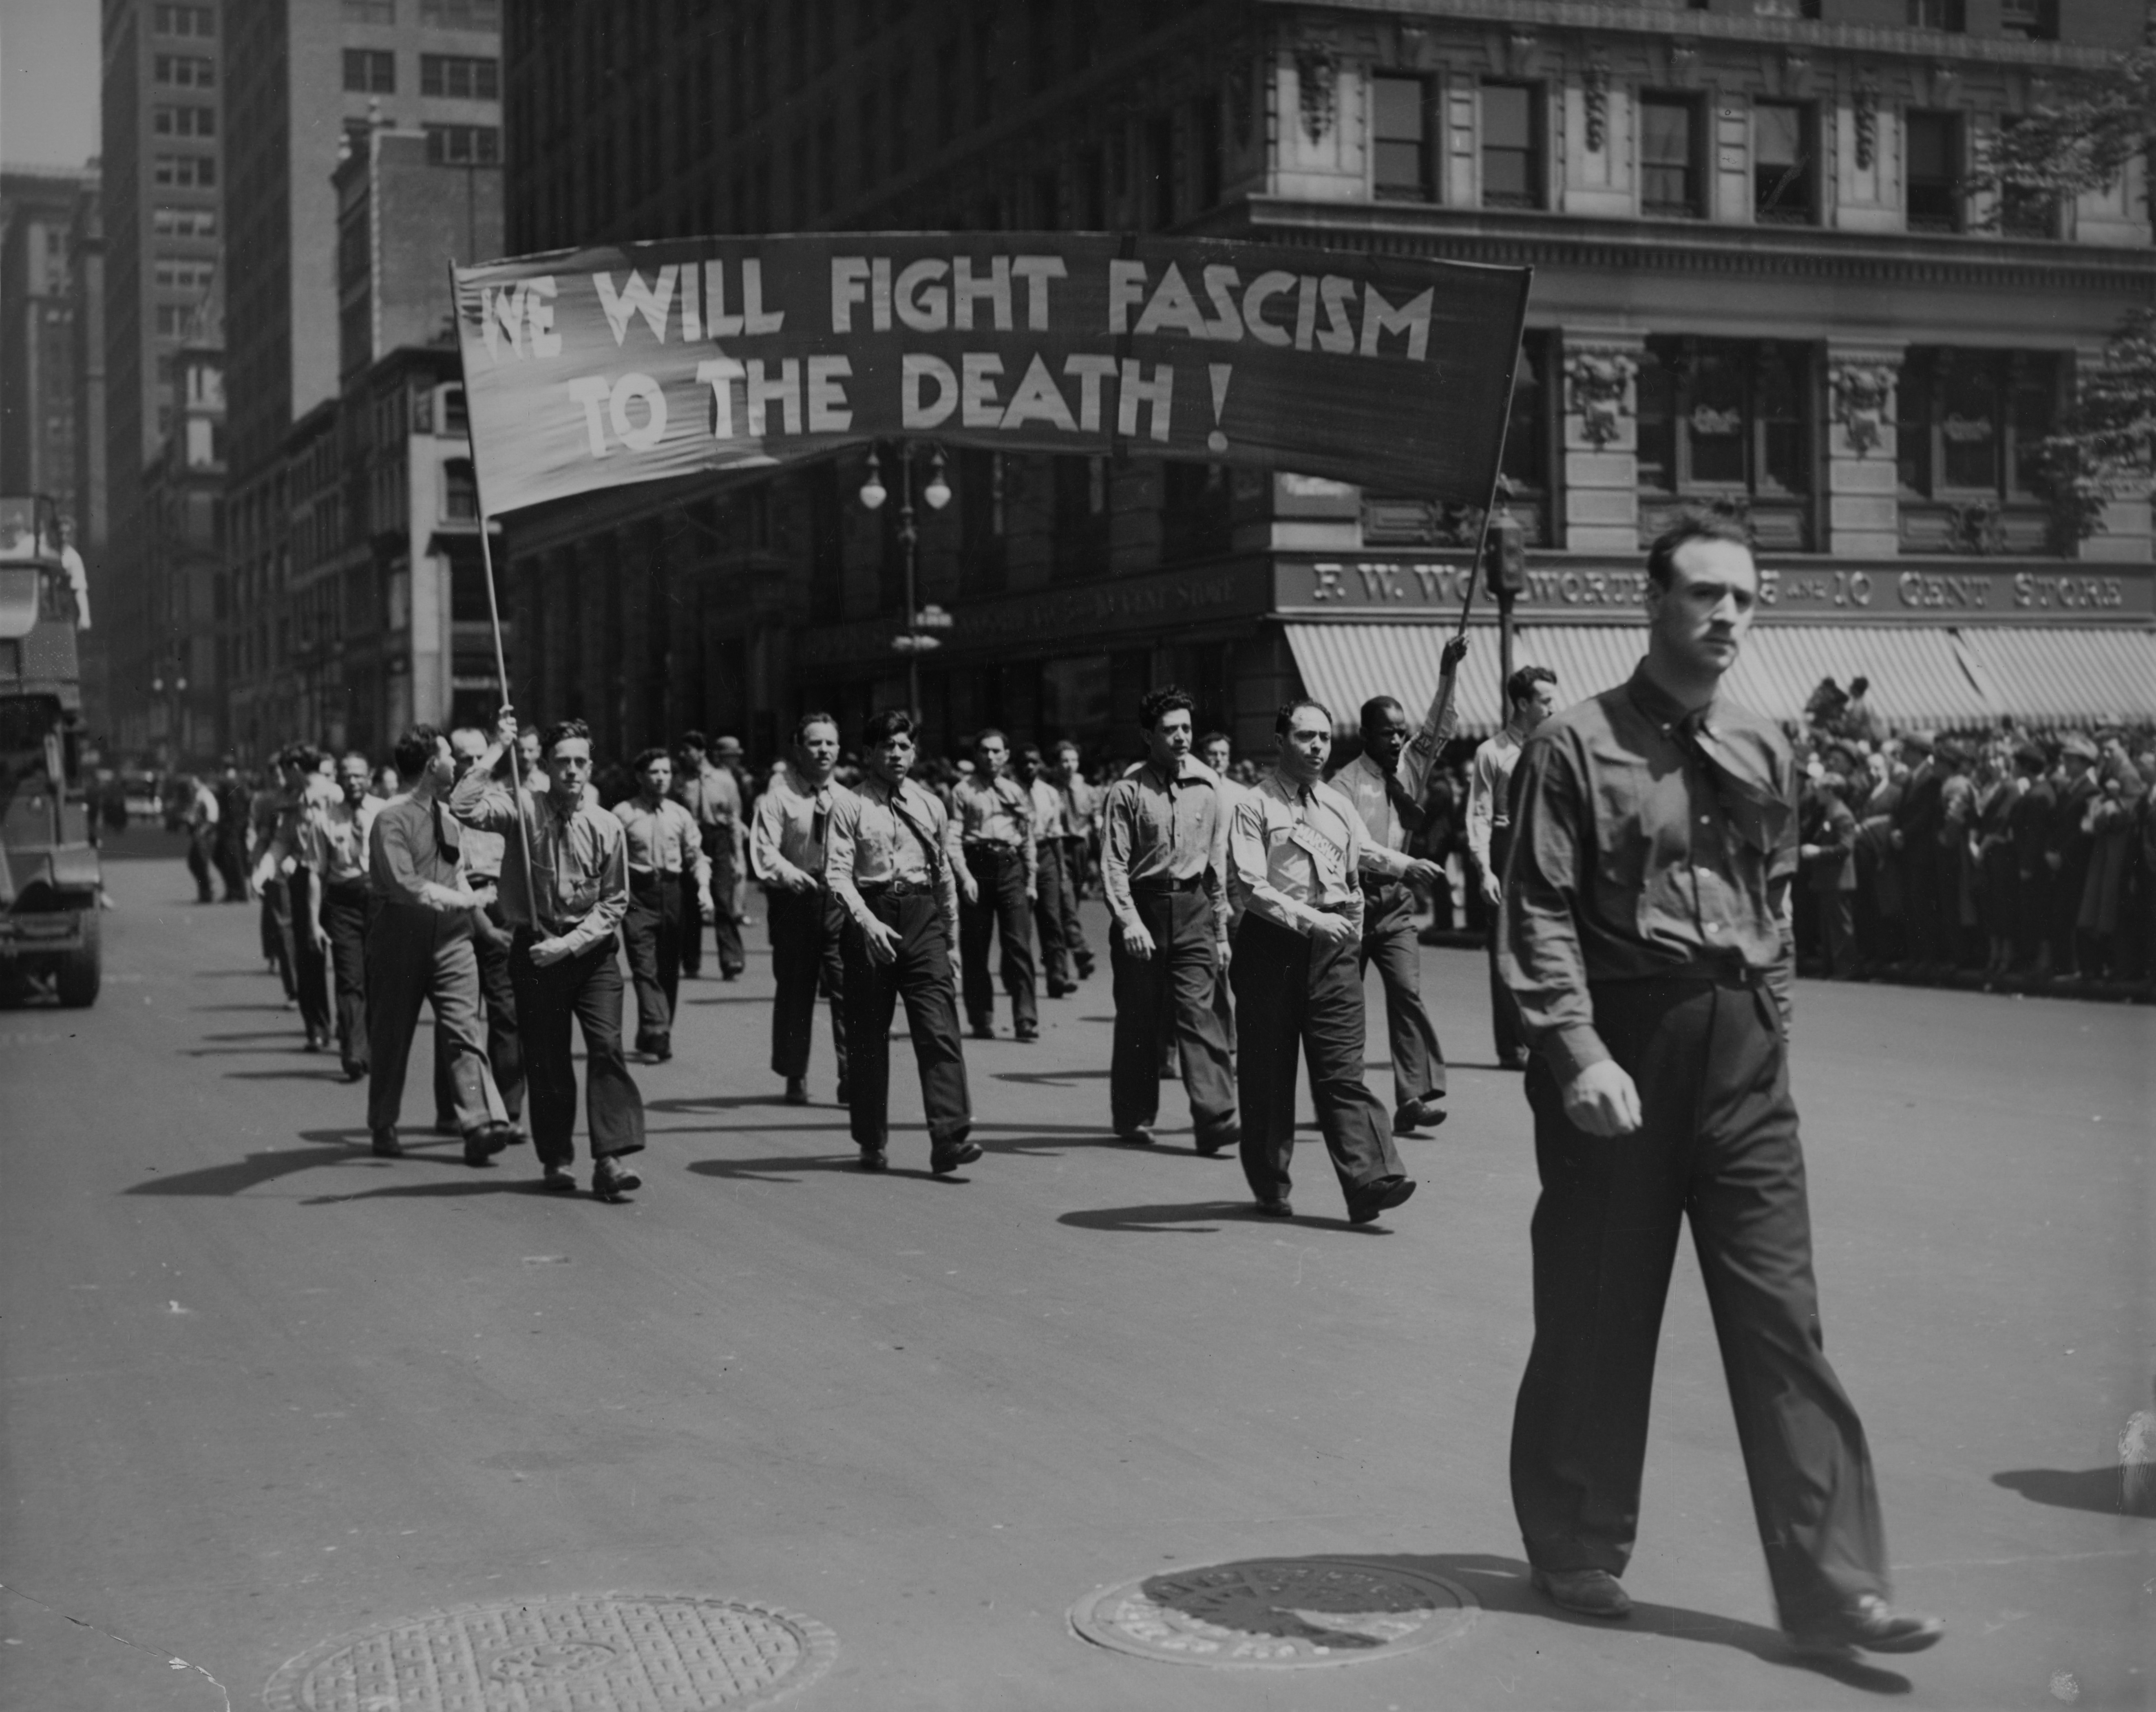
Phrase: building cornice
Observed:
(1555, 240)
(1608, 17)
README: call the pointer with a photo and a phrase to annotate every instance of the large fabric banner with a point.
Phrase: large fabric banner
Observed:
(587, 369)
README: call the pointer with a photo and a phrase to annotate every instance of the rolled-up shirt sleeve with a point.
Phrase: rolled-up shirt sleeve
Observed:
(1539, 956)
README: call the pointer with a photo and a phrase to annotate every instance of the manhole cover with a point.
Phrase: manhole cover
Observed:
(573, 1652)
(1280, 1613)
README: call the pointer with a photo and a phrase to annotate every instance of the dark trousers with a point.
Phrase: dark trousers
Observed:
(1073, 889)
(2032, 915)
(1921, 916)
(922, 976)
(725, 922)
(1837, 922)
(415, 955)
(1169, 997)
(276, 928)
(1051, 906)
(651, 935)
(505, 1046)
(199, 866)
(311, 966)
(232, 868)
(1504, 1011)
(2067, 885)
(587, 989)
(1296, 992)
(1719, 1144)
(806, 929)
(1388, 941)
(1004, 910)
(346, 910)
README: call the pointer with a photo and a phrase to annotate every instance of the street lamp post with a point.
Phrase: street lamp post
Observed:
(938, 494)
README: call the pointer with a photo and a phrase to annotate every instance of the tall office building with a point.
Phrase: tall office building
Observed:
(37, 335)
(309, 80)
(1763, 279)
(161, 208)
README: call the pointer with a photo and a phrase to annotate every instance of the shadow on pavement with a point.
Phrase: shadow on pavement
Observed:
(721, 1102)
(240, 1175)
(1501, 1587)
(480, 1184)
(1049, 1078)
(2085, 1489)
(261, 974)
(1180, 1216)
(780, 1170)
(329, 1073)
(731, 998)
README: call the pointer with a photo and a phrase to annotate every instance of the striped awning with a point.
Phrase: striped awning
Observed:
(2087, 677)
(1920, 677)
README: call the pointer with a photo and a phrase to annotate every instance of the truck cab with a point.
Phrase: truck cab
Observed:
(50, 880)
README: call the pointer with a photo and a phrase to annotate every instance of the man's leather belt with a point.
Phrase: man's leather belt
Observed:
(1142, 888)
(896, 888)
(992, 851)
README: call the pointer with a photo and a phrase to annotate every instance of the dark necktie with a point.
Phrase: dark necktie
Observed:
(445, 844)
(1409, 810)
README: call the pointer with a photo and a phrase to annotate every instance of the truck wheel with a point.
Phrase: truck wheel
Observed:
(79, 973)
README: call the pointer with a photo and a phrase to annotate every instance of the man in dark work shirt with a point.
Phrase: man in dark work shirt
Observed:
(1645, 936)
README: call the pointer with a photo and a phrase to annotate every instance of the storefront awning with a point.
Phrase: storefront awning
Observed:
(1920, 677)
(2066, 677)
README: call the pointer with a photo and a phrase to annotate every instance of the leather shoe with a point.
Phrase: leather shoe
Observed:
(944, 1160)
(1061, 989)
(1868, 1623)
(1135, 1134)
(1381, 1197)
(1591, 1592)
(1418, 1114)
(872, 1159)
(386, 1146)
(982, 1030)
(483, 1142)
(796, 1090)
(1212, 1145)
(1026, 1031)
(558, 1179)
(612, 1181)
(1275, 1209)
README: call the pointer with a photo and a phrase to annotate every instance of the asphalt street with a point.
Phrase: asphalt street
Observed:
(261, 1388)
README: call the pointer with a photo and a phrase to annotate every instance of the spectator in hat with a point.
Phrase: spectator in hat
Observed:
(1859, 720)
(2112, 814)
(2071, 842)
(1827, 857)
(1954, 879)
(1916, 821)
(2029, 833)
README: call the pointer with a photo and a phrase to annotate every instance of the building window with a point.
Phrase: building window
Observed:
(459, 491)
(183, 20)
(1399, 139)
(185, 71)
(2032, 20)
(185, 171)
(1669, 157)
(1934, 171)
(1725, 418)
(167, 222)
(1160, 168)
(370, 71)
(1937, 15)
(460, 76)
(1969, 424)
(2023, 211)
(1196, 513)
(461, 14)
(1511, 163)
(1782, 165)
(183, 121)
(1080, 542)
(464, 145)
(185, 276)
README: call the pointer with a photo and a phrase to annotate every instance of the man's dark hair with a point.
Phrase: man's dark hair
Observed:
(1858, 686)
(1166, 700)
(881, 728)
(1288, 709)
(1692, 527)
(1378, 707)
(1030, 752)
(693, 740)
(802, 724)
(644, 757)
(414, 750)
(1211, 737)
(1521, 685)
(559, 731)
(986, 732)
(303, 755)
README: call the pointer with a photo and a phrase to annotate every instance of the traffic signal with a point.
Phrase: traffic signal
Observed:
(1505, 556)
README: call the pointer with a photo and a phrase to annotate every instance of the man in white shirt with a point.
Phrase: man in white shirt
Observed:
(1294, 849)
(787, 834)
(670, 894)
(1530, 697)
(1385, 783)
(333, 836)
(1052, 904)
(998, 882)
